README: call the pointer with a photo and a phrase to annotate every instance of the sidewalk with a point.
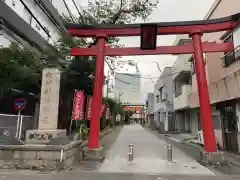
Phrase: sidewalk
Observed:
(149, 155)
(186, 138)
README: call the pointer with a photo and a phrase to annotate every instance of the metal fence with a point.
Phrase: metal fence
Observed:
(15, 125)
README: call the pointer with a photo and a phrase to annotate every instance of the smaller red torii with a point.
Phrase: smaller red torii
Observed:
(195, 29)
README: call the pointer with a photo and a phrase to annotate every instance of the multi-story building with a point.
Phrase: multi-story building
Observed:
(128, 88)
(150, 109)
(34, 24)
(163, 101)
(181, 81)
(223, 75)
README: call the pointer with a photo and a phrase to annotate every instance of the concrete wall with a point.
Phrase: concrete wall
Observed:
(181, 101)
(48, 157)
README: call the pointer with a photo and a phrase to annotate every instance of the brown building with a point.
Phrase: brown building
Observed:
(223, 74)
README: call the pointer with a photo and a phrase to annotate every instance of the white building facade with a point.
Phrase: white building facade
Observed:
(163, 101)
(32, 23)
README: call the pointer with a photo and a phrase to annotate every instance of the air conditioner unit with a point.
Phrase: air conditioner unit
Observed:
(200, 137)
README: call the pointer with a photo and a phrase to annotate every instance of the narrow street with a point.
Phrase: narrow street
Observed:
(150, 156)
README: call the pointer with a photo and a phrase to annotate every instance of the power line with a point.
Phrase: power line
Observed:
(69, 12)
(123, 89)
(126, 82)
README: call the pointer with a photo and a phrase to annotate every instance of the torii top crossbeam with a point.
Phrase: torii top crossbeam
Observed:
(164, 28)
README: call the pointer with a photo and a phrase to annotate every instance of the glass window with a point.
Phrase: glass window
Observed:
(228, 56)
(27, 16)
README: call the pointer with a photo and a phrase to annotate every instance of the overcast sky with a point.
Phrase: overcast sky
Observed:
(169, 10)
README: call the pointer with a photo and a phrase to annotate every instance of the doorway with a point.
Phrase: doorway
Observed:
(229, 122)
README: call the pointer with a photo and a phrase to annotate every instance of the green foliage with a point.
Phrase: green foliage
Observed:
(21, 68)
(83, 130)
(115, 106)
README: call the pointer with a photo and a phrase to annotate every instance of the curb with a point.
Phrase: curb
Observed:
(199, 148)
(84, 143)
(192, 144)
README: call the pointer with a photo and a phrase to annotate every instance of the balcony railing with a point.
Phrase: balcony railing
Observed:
(181, 101)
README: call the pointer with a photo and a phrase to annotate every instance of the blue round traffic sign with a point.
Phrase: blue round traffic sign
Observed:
(19, 104)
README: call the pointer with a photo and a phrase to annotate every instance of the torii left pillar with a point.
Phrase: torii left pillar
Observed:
(94, 149)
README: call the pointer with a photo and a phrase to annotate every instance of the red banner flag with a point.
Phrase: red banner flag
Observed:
(89, 108)
(78, 106)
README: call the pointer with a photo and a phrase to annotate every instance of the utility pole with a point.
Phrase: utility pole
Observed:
(119, 95)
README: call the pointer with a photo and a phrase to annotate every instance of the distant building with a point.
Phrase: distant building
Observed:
(163, 101)
(128, 88)
(150, 108)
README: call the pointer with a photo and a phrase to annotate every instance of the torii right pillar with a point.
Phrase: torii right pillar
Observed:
(204, 100)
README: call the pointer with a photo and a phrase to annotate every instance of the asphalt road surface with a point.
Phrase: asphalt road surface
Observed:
(149, 162)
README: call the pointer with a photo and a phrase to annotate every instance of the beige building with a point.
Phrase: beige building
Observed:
(223, 74)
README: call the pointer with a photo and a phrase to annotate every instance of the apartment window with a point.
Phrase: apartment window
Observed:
(13, 3)
(38, 27)
(192, 66)
(178, 89)
(157, 99)
(161, 93)
(229, 57)
(199, 121)
(27, 16)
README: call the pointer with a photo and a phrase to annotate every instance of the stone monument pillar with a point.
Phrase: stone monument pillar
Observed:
(48, 116)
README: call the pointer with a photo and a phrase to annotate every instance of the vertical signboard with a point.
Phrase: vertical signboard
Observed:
(48, 115)
(78, 106)
(89, 108)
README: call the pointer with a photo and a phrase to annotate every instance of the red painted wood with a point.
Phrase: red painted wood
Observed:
(120, 32)
(132, 51)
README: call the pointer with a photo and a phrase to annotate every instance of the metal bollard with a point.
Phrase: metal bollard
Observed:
(169, 153)
(130, 153)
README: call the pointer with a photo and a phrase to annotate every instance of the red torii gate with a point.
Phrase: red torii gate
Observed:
(148, 33)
